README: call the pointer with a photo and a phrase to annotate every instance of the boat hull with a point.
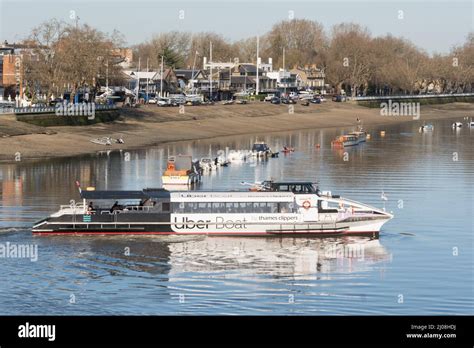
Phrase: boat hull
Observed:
(217, 226)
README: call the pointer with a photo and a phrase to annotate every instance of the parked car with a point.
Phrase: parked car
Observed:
(39, 105)
(338, 98)
(269, 97)
(315, 100)
(163, 102)
(275, 100)
(305, 95)
(285, 100)
(55, 101)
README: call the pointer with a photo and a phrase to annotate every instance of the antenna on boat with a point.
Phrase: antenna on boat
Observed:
(78, 184)
(384, 199)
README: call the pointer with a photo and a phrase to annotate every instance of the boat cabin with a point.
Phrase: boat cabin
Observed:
(260, 147)
(112, 202)
(294, 187)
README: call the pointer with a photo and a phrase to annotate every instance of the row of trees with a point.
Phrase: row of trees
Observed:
(350, 56)
(64, 57)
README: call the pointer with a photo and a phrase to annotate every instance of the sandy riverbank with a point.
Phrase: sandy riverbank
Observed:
(152, 125)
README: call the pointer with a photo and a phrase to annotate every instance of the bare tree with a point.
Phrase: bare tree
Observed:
(64, 57)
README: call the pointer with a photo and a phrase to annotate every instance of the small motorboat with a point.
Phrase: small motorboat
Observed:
(107, 141)
(426, 128)
(207, 164)
(345, 140)
(181, 170)
(457, 125)
(261, 149)
(360, 135)
(102, 141)
(471, 123)
(287, 149)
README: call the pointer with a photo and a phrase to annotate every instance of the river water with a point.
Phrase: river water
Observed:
(421, 264)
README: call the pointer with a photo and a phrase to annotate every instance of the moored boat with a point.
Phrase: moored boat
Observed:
(426, 128)
(456, 125)
(261, 149)
(207, 164)
(181, 170)
(267, 209)
(345, 140)
(360, 135)
(107, 141)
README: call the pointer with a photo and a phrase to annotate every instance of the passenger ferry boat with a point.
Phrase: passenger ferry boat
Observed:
(267, 209)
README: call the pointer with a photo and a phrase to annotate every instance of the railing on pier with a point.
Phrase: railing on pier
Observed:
(38, 110)
(417, 96)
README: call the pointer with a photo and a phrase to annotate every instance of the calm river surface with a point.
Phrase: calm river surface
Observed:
(422, 263)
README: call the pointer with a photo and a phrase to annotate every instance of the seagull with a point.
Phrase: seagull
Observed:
(384, 197)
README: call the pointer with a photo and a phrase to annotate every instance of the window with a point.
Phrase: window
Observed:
(285, 207)
(230, 207)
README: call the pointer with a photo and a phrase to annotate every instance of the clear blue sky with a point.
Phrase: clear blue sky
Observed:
(433, 25)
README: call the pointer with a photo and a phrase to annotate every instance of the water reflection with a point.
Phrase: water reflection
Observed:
(304, 258)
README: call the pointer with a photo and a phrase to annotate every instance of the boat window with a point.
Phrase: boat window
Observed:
(285, 207)
(229, 207)
(218, 208)
(204, 206)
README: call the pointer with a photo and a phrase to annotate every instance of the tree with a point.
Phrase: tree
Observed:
(304, 41)
(349, 57)
(64, 57)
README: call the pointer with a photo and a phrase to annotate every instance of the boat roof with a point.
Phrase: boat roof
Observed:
(112, 194)
(163, 193)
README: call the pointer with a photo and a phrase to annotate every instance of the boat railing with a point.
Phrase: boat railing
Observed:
(127, 209)
(73, 207)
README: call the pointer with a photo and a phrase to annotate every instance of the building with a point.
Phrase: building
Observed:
(11, 78)
(150, 81)
(310, 77)
(285, 80)
(189, 79)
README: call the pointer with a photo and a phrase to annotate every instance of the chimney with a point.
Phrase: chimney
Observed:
(270, 61)
(204, 62)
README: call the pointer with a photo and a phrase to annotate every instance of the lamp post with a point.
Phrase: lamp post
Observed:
(192, 73)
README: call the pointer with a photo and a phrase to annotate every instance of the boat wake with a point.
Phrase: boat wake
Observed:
(5, 230)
